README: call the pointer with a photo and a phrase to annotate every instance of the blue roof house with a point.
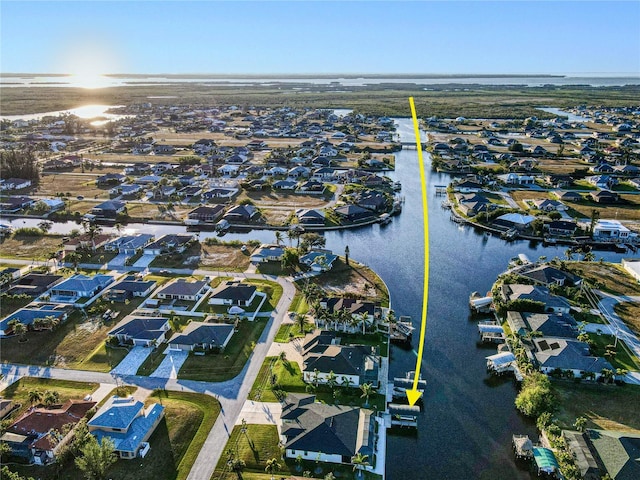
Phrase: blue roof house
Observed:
(127, 424)
(79, 286)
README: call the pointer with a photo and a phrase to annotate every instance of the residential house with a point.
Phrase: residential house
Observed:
(285, 185)
(517, 179)
(583, 457)
(552, 303)
(129, 244)
(318, 260)
(326, 433)
(568, 196)
(312, 186)
(8, 275)
(267, 253)
(109, 210)
(86, 241)
(354, 213)
(323, 354)
(34, 284)
(547, 205)
(310, 217)
(514, 220)
(29, 314)
(552, 353)
(169, 243)
(241, 214)
(218, 193)
(632, 266)
(605, 196)
(561, 228)
(15, 204)
(467, 186)
(233, 292)
(548, 275)
(140, 331)
(560, 325)
(110, 178)
(202, 336)
(181, 289)
(616, 452)
(472, 204)
(127, 424)
(205, 214)
(367, 310)
(164, 149)
(79, 286)
(129, 288)
(14, 184)
(31, 436)
(613, 231)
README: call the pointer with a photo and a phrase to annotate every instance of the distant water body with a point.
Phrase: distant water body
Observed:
(344, 81)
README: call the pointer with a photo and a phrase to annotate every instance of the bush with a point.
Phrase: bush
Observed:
(536, 396)
(28, 232)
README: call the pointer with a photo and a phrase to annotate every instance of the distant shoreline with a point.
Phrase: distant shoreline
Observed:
(297, 75)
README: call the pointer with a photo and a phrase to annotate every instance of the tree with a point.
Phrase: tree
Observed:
(346, 382)
(50, 397)
(569, 254)
(278, 237)
(74, 259)
(580, 423)
(367, 390)
(332, 380)
(34, 396)
(289, 258)
(312, 240)
(301, 322)
(346, 254)
(283, 357)
(359, 462)
(237, 465)
(607, 375)
(21, 163)
(18, 328)
(595, 215)
(96, 458)
(536, 396)
(272, 466)
(589, 257)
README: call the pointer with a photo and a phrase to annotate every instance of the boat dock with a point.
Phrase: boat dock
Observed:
(441, 190)
(402, 330)
(480, 304)
(522, 446)
(403, 415)
(491, 332)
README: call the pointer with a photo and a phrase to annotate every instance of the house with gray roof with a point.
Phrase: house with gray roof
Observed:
(616, 452)
(233, 292)
(29, 314)
(34, 284)
(327, 433)
(169, 243)
(548, 275)
(318, 260)
(129, 244)
(552, 303)
(548, 324)
(127, 424)
(140, 331)
(267, 253)
(183, 290)
(204, 336)
(128, 288)
(552, 353)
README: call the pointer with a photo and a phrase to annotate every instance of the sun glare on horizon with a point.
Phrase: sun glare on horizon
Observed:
(89, 80)
(88, 65)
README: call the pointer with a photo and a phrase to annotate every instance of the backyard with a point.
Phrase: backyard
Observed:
(629, 312)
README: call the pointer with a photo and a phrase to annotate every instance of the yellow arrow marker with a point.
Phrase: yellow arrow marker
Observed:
(413, 395)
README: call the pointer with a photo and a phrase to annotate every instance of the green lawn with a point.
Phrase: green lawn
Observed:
(273, 291)
(288, 331)
(153, 361)
(289, 378)
(623, 359)
(103, 359)
(218, 367)
(606, 406)
(299, 304)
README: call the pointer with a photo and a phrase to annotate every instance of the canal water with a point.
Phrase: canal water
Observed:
(468, 419)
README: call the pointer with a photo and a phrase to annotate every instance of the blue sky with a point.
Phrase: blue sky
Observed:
(329, 37)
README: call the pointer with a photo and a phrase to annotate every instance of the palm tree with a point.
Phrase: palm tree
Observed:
(51, 397)
(278, 237)
(19, 329)
(34, 396)
(301, 321)
(332, 380)
(580, 423)
(283, 357)
(607, 375)
(346, 254)
(316, 377)
(272, 466)
(346, 382)
(74, 259)
(359, 462)
(367, 390)
(569, 254)
(589, 257)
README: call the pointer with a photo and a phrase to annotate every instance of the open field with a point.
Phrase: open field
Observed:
(287, 374)
(213, 257)
(605, 406)
(353, 279)
(28, 248)
(472, 101)
(74, 183)
(609, 277)
(560, 166)
(629, 210)
(629, 312)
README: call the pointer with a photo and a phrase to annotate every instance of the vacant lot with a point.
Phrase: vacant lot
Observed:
(609, 277)
(353, 280)
(560, 166)
(72, 183)
(278, 199)
(629, 312)
(605, 406)
(225, 257)
(629, 210)
(29, 248)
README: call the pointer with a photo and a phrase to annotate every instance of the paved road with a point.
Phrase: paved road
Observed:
(231, 394)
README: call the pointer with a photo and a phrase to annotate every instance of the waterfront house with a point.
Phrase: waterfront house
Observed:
(559, 325)
(267, 253)
(354, 213)
(584, 458)
(15, 204)
(205, 214)
(79, 286)
(233, 292)
(169, 243)
(126, 422)
(202, 336)
(86, 241)
(553, 353)
(326, 433)
(241, 214)
(140, 331)
(109, 210)
(318, 260)
(472, 204)
(129, 244)
(323, 354)
(615, 452)
(310, 217)
(561, 228)
(32, 435)
(548, 275)
(613, 231)
(14, 184)
(181, 289)
(552, 303)
(514, 220)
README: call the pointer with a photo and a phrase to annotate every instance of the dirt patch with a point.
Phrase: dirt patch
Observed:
(26, 247)
(606, 276)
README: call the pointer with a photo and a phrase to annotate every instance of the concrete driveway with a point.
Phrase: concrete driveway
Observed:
(260, 413)
(171, 364)
(130, 364)
(144, 261)
(118, 261)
